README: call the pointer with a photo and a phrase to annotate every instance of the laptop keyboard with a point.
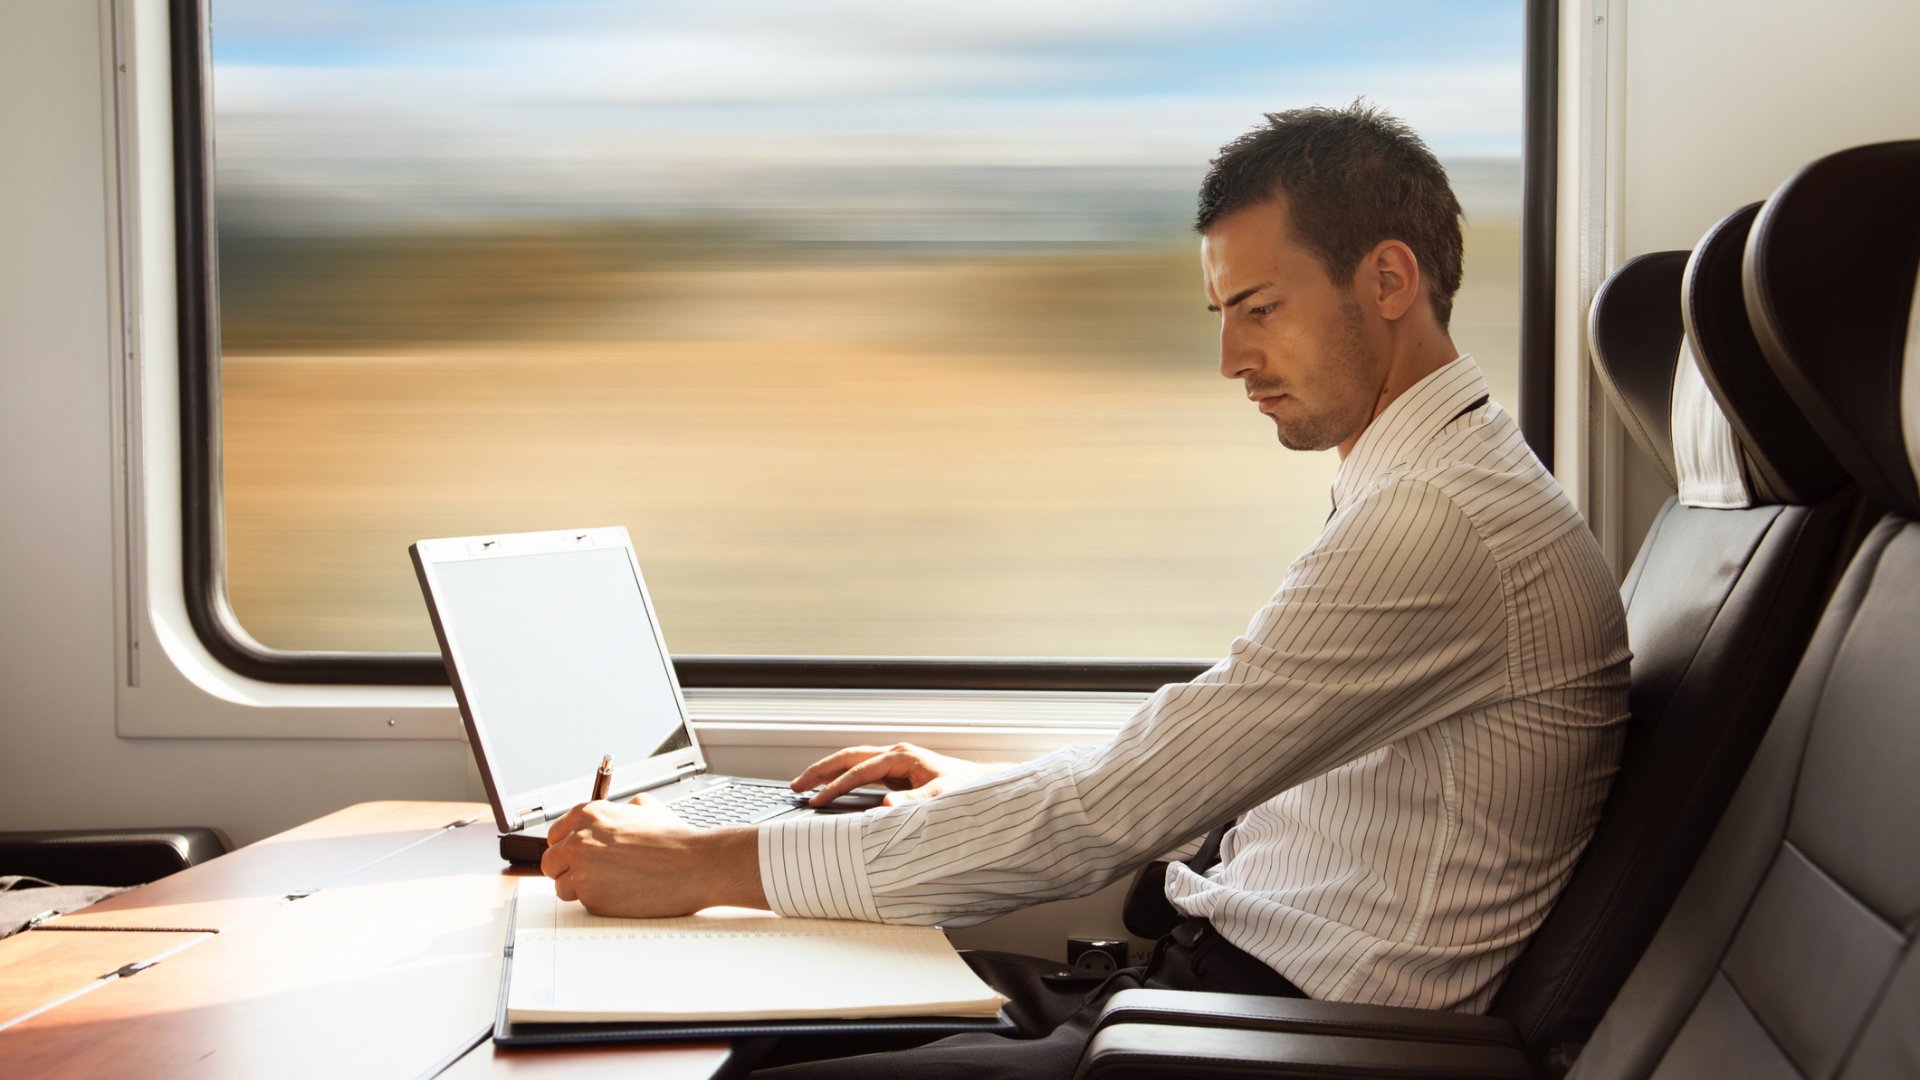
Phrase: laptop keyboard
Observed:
(736, 804)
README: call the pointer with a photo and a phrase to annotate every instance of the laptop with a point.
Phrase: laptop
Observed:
(557, 661)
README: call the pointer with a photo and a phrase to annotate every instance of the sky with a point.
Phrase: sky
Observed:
(580, 105)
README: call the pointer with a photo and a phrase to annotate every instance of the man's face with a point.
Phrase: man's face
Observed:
(1295, 338)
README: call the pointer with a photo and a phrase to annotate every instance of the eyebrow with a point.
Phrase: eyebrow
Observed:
(1239, 296)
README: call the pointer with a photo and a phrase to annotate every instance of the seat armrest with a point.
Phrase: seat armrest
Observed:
(107, 856)
(1163, 1052)
(1252, 1012)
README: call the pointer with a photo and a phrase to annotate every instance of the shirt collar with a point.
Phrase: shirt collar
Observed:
(1408, 423)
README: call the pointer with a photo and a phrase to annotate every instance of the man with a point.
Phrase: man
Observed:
(1416, 732)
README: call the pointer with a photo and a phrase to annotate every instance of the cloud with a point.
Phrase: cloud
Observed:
(667, 103)
(1459, 108)
(643, 71)
(362, 25)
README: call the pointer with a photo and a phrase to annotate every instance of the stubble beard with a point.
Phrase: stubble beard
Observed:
(1328, 429)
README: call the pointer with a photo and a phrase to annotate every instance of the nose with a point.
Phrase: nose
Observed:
(1238, 357)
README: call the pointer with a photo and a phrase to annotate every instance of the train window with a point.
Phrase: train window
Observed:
(879, 326)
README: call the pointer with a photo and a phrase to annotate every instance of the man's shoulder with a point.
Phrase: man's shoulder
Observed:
(1489, 473)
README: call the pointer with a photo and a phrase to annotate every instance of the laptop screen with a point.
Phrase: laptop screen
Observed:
(559, 661)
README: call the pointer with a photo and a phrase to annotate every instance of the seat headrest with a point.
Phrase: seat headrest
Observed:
(1910, 383)
(1829, 277)
(1781, 458)
(1635, 332)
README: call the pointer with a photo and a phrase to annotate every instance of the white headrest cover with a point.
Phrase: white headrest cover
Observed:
(1910, 385)
(1704, 455)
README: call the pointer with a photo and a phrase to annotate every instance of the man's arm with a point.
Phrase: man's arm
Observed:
(638, 859)
(1394, 620)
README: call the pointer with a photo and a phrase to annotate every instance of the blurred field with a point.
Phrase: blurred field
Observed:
(1000, 454)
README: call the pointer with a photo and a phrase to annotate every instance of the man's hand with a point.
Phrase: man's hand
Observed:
(637, 859)
(912, 772)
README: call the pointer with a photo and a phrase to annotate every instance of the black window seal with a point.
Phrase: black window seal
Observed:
(202, 518)
(1539, 223)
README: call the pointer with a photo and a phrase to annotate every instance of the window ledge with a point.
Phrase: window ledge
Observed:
(169, 703)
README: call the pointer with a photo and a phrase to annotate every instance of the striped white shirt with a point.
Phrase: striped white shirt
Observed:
(1420, 728)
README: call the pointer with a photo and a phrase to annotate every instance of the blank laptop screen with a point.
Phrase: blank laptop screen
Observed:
(559, 663)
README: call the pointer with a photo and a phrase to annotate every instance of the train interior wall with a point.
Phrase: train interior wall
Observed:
(1721, 102)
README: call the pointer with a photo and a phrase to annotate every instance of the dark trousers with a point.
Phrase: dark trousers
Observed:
(1053, 1008)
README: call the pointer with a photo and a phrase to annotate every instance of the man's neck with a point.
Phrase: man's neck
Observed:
(1415, 357)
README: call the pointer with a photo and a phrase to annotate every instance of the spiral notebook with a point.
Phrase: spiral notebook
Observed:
(738, 970)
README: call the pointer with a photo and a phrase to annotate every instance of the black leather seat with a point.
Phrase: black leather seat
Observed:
(52, 872)
(1790, 953)
(1720, 600)
(1807, 339)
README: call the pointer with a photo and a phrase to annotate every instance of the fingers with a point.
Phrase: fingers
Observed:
(924, 791)
(567, 823)
(833, 765)
(557, 863)
(563, 845)
(889, 764)
(902, 765)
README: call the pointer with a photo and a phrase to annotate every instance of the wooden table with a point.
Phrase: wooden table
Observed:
(366, 943)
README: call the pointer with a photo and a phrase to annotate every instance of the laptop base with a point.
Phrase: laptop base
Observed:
(524, 848)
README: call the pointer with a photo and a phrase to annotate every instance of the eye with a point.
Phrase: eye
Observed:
(1262, 311)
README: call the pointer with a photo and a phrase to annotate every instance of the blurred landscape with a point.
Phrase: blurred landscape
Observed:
(879, 325)
(832, 449)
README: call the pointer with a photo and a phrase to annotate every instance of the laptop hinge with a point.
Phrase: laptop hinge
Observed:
(529, 816)
(680, 772)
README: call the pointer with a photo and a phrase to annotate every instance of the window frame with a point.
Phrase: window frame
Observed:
(211, 615)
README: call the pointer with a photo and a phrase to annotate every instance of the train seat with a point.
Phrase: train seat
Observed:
(64, 870)
(1791, 951)
(1721, 600)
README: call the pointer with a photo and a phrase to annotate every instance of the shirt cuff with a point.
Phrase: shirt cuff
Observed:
(815, 866)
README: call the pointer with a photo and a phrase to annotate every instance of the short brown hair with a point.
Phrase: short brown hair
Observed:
(1352, 177)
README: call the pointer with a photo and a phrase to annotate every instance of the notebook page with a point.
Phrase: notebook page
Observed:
(728, 964)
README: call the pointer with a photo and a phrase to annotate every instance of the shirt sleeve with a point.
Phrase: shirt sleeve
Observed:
(1185, 851)
(1395, 618)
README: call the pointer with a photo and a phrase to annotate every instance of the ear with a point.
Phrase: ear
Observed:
(1390, 279)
